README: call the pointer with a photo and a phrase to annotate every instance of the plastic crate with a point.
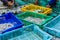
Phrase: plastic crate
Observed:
(20, 2)
(41, 17)
(36, 8)
(53, 27)
(24, 2)
(26, 23)
(31, 32)
(10, 18)
(43, 2)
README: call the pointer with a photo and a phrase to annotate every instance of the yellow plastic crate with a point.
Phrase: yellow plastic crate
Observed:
(33, 7)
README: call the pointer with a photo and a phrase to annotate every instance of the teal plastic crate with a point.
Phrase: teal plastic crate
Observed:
(31, 32)
(56, 10)
(41, 17)
(53, 27)
(22, 2)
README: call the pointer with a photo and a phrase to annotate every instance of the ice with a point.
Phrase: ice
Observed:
(38, 11)
(5, 26)
(34, 20)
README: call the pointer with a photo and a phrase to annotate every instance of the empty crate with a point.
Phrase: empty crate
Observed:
(53, 27)
(35, 18)
(9, 22)
(31, 32)
(37, 9)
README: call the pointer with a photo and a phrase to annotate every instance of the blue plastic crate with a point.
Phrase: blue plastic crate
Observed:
(31, 32)
(53, 27)
(10, 18)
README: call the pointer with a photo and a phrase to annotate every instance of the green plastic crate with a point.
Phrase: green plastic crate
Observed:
(35, 15)
(26, 23)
